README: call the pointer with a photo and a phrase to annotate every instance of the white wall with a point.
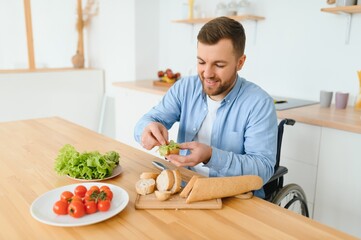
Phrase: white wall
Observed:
(13, 51)
(298, 49)
(146, 38)
(116, 46)
(54, 33)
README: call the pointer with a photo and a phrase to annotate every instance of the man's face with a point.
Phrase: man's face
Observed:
(217, 68)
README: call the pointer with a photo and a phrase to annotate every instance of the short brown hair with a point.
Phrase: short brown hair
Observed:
(224, 28)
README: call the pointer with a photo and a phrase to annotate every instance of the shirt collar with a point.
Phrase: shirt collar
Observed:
(235, 90)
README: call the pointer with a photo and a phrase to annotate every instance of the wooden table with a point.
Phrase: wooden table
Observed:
(27, 152)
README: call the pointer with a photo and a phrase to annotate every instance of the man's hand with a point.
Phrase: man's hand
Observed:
(199, 153)
(155, 134)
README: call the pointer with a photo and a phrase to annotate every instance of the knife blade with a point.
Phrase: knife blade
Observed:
(161, 166)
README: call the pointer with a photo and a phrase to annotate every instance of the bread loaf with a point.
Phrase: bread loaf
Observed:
(165, 180)
(147, 175)
(145, 186)
(162, 195)
(219, 187)
(168, 182)
(187, 189)
(177, 181)
(174, 151)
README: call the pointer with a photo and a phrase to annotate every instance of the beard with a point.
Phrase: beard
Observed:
(215, 86)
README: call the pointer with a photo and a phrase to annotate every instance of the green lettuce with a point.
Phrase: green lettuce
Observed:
(87, 165)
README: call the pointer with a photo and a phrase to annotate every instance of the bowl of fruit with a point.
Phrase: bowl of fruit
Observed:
(167, 77)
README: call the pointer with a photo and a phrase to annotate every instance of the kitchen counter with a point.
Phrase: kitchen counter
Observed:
(29, 148)
(143, 86)
(341, 119)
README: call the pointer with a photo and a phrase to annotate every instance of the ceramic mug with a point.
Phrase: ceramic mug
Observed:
(340, 3)
(325, 98)
(341, 100)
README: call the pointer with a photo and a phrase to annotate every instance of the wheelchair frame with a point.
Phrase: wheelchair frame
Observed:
(291, 196)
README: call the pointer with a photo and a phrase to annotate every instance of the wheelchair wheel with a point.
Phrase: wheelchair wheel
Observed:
(292, 197)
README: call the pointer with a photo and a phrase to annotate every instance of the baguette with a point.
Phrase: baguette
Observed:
(162, 195)
(165, 180)
(147, 175)
(246, 195)
(145, 186)
(174, 151)
(219, 187)
(187, 189)
(177, 181)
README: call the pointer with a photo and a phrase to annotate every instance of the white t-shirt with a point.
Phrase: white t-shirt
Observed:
(204, 134)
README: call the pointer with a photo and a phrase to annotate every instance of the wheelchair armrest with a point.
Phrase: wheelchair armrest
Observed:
(279, 173)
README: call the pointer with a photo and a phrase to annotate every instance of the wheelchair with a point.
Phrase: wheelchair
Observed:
(291, 196)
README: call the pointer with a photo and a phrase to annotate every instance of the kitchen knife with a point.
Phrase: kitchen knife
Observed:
(161, 166)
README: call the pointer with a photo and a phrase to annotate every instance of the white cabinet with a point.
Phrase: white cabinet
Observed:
(75, 95)
(338, 195)
(299, 153)
(130, 106)
(326, 163)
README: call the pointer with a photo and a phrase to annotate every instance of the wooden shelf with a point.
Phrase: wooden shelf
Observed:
(204, 20)
(42, 70)
(344, 9)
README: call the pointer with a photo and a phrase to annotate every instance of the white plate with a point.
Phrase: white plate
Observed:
(42, 208)
(116, 171)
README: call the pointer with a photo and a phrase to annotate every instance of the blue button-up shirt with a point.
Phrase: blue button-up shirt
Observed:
(244, 134)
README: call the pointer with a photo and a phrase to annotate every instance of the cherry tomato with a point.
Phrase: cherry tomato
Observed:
(90, 207)
(105, 195)
(91, 190)
(92, 194)
(95, 188)
(60, 207)
(66, 196)
(103, 205)
(76, 209)
(80, 191)
(89, 199)
(102, 188)
(75, 198)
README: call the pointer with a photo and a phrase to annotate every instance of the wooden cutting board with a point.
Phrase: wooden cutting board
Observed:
(162, 83)
(175, 202)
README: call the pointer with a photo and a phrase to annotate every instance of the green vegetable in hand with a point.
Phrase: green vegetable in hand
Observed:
(87, 165)
(170, 148)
